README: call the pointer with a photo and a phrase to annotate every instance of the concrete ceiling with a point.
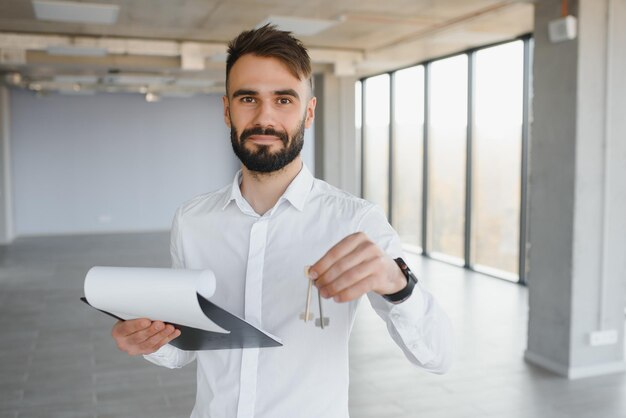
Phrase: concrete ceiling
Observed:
(178, 46)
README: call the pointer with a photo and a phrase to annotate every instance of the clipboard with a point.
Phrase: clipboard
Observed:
(230, 331)
(242, 334)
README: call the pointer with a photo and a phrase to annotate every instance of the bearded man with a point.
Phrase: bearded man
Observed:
(259, 233)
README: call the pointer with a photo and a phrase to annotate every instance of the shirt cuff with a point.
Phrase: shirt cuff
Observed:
(407, 309)
(164, 356)
(408, 319)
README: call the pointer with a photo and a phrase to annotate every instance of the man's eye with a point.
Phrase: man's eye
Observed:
(284, 100)
(247, 99)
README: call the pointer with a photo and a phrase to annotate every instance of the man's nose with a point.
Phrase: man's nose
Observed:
(265, 116)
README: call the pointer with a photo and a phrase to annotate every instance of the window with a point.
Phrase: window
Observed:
(447, 156)
(497, 142)
(376, 141)
(458, 186)
(408, 145)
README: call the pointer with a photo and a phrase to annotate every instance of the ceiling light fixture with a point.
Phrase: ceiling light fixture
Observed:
(152, 97)
(301, 26)
(14, 79)
(68, 11)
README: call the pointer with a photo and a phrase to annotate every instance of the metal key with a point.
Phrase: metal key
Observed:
(307, 314)
(321, 321)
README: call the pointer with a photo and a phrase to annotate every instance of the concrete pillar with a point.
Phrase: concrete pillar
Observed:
(6, 201)
(577, 200)
(337, 150)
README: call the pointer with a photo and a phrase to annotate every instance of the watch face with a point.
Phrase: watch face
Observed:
(402, 264)
(406, 270)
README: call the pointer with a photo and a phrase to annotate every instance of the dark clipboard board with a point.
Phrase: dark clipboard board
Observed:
(242, 334)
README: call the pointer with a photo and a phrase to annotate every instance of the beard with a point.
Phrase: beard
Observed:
(262, 160)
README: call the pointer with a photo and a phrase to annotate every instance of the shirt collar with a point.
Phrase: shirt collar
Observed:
(296, 193)
(235, 192)
(299, 189)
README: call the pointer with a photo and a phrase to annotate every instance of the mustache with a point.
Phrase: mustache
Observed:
(257, 130)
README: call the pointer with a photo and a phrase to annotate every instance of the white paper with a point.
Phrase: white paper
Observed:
(161, 294)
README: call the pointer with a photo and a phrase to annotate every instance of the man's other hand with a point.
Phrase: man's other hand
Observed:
(142, 336)
(355, 266)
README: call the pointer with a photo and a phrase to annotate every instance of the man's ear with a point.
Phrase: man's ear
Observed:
(310, 112)
(226, 104)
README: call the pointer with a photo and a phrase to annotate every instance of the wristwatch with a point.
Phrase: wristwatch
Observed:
(403, 294)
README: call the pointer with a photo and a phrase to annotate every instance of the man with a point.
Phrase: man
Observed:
(259, 233)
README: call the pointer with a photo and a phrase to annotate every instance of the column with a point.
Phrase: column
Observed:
(337, 149)
(577, 193)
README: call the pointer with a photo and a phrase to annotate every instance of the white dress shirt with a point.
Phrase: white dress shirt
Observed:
(259, 262)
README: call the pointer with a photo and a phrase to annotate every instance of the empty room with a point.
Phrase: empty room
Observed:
(324, 209)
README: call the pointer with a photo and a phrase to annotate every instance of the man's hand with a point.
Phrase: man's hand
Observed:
(354, 267)
(142, 336)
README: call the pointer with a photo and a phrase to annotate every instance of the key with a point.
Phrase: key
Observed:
(322, 321)
(307, 315)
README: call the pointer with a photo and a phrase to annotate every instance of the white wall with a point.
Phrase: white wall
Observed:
(113, 162)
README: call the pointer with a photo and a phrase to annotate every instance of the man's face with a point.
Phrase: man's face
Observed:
(267, 110)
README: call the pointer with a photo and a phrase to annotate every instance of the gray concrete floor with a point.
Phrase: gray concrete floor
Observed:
(58, 360)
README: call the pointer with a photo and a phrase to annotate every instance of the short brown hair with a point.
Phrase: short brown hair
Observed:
(268, 41)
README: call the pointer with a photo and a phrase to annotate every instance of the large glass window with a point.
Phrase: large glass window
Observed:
(408, 128)
(447, 156)
(457, 189)
(497, 143)
(376, 141)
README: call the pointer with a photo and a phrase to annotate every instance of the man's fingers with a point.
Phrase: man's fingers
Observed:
(142, 335)
(169, 338)
(340, 250)
(356, 290)
(348, 278)
(152, 343)
(363, 252)
(124, 328)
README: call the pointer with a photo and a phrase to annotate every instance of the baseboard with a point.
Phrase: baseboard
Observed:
(575, 372)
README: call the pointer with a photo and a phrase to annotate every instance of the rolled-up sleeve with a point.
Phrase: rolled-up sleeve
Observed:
(419, 326)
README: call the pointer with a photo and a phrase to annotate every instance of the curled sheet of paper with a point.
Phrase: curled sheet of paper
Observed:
(169, 295)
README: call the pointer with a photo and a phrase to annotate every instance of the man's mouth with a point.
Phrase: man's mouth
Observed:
(263, 139)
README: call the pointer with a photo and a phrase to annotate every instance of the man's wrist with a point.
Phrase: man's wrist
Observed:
(409, 283)
(400, 280)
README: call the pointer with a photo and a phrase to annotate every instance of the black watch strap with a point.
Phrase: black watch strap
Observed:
(411, 280)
